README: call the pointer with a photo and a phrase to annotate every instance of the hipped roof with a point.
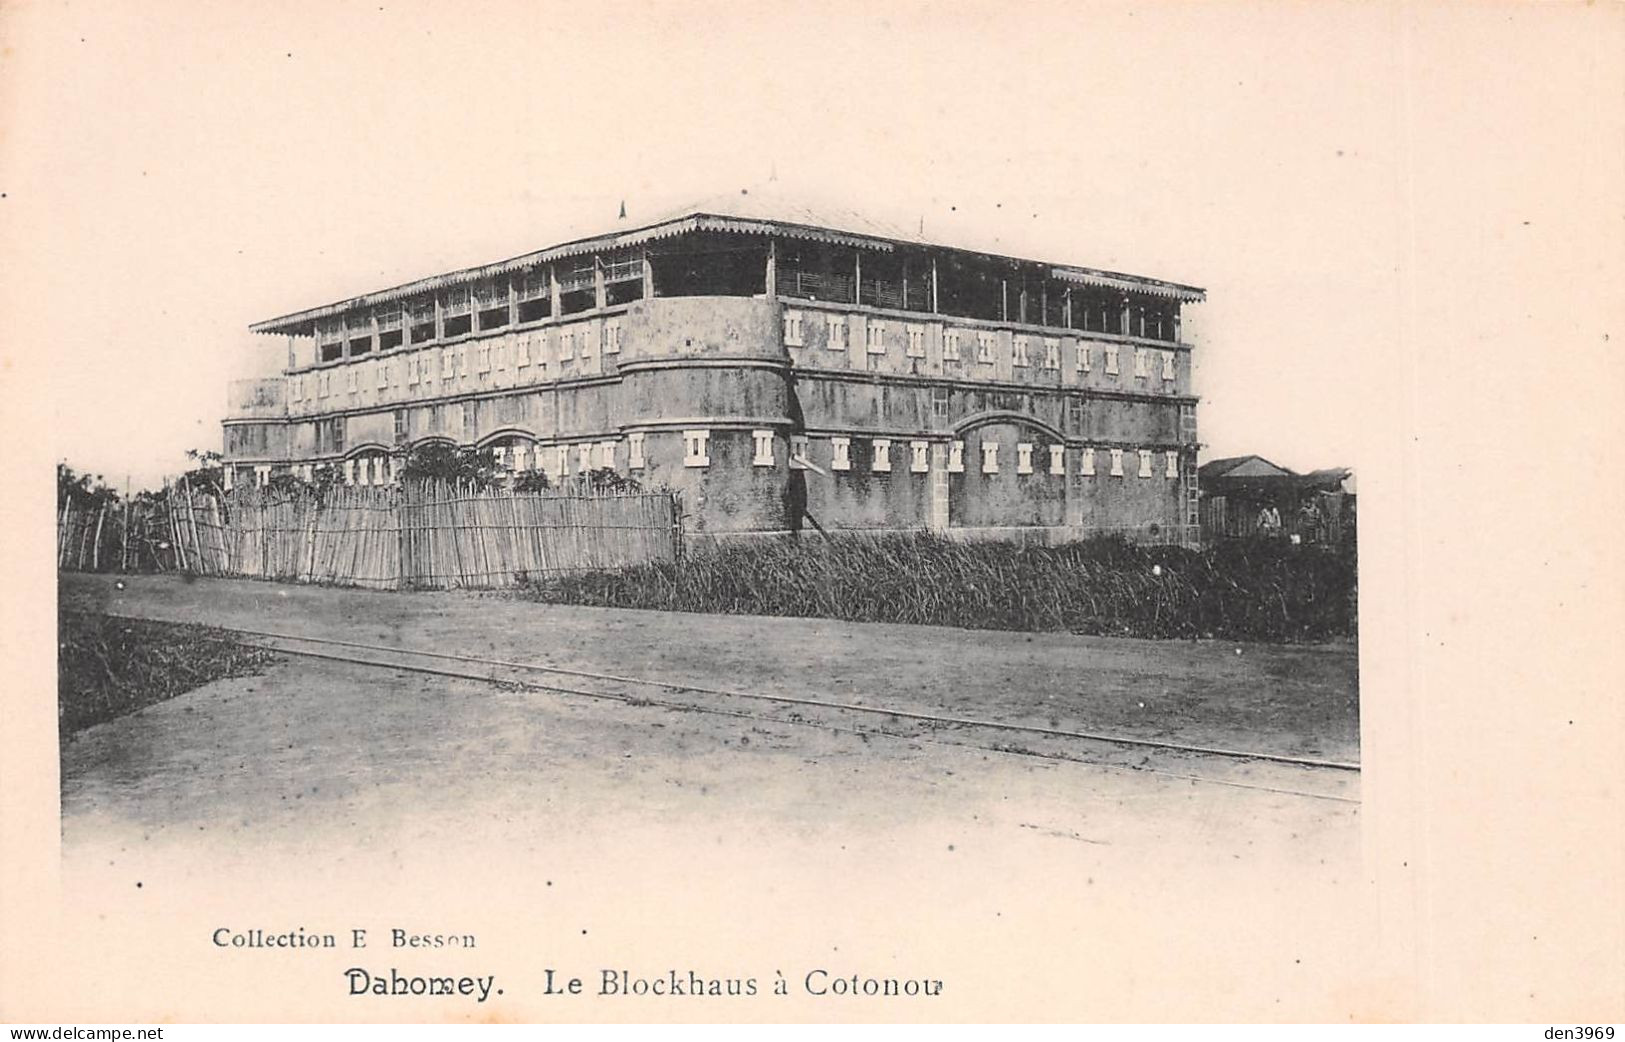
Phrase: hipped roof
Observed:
(747, 212)
(1233, 472)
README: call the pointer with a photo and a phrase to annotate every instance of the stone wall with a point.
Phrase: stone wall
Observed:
(654, 370)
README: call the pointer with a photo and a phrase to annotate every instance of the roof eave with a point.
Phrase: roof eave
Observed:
(303, 322)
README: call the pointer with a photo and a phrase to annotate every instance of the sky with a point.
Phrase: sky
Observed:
(180, 170)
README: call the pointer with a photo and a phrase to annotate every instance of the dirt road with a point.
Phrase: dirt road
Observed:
(591, 835)
(1300, 701)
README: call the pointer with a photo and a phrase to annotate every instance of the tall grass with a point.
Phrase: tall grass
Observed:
(1261, 592)
(108, 667)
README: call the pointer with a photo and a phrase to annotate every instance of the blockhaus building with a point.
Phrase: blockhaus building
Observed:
(778, 365)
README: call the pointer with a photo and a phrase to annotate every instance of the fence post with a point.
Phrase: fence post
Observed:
(96, 551)
(676, 504)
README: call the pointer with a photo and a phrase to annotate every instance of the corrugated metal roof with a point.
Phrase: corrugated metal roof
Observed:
(746, 212)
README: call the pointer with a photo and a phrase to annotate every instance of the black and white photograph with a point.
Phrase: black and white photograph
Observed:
(713, 512)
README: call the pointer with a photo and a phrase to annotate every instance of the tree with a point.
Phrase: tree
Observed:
(210, 473)
(453, 464)
(85, 491)
(532, 481)
(606, 479)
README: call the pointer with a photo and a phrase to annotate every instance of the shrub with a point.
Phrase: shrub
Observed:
(107, 667)
(1101, 586)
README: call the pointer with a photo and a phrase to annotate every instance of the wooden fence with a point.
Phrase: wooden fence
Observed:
(82, 533)
(413, 536)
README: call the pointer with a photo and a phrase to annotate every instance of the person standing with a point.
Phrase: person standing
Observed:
(1269, 522)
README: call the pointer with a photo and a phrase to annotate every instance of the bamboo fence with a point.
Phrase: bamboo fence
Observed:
(418, 535)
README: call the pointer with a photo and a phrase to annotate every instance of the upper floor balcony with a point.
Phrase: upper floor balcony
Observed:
(814, 337)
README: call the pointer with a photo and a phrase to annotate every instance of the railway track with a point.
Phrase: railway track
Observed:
(1296, 776)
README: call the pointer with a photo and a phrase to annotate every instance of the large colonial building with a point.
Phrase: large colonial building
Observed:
(779, 366)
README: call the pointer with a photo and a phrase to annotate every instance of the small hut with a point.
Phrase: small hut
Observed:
(1314, 508)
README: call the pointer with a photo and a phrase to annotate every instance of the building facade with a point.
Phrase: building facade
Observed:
(779, 367)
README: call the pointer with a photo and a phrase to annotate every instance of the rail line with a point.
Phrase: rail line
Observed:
(531, 676)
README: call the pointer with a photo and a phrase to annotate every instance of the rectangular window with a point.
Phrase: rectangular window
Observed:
(462, 357)
(612, 336)
(421, 313)
(1088, 468)
(1084, 351)
(349, 472)
(950, 345)
(491, 302)
(584, 457)
(503, 347)
(1020, 355)
(918, 460)
(1057, 459)
(1142, 363)
(984, 348)
(521, 350)
(792, 328)
(535, 296)
(939, 401)
(882, 460)
(606, 454)
(448, 363)
(1145, 463)
(1168, 372)
(482, 358)
(1052, 353)
(567, 343)
(696, 448)
(383, 374)
(874, 336)
(841, 454)
(412, 370)
(358, 334)
(390, 322)
(520, 451)
(798, 452)
(634, 451)
(1172, 468)
(916, 341)
(500, 454)
(1024, 458)
(1117, 463)
(456, 315)
(1111, 359)
(990, 457)
(350, 377)
(835, 332)
(956, 457)
(764, 448)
